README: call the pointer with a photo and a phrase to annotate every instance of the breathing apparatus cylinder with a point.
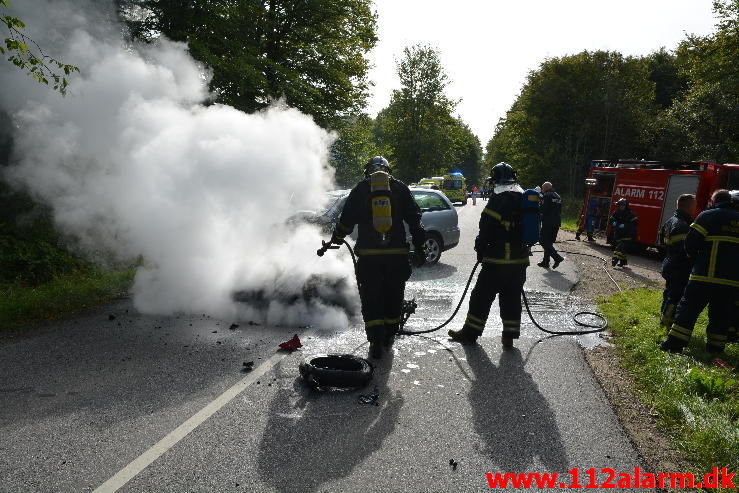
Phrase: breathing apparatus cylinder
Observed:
(530, 203)
(382, 209)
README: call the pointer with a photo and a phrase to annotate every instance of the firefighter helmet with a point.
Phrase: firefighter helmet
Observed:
(503, 174)
(622, 201)
(377, 163)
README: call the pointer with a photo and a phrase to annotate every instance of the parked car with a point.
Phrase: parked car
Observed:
(439, 219)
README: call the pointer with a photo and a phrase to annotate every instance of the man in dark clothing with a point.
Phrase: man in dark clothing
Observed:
(551, 220)
(623, 228)
(676, 264)
(379, 205)
(504, 257)
(713, 244)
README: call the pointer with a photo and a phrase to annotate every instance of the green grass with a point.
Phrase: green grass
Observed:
(694, 401)
(569, 224)
(26, 304)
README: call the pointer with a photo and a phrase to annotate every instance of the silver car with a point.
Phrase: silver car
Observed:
(439, 219)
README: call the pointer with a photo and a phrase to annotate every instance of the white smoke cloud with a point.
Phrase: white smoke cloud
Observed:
(136, 165)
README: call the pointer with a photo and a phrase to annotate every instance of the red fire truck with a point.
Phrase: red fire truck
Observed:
(652, 189)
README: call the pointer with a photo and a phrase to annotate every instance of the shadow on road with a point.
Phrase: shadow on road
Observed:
(433, 272)
(510, 415)
(324, 436)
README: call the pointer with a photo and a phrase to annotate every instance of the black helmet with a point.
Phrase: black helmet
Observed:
(377, 163)
(622, 201)
(503, 174)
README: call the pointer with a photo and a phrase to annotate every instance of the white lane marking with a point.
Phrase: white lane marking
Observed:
(144, 460)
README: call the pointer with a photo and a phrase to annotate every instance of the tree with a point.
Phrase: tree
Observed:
(351, 150)
(23, 52)
(418, 125)
(572, 110)
(311, 52)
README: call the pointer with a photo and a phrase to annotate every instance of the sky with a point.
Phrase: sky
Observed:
(489, 46)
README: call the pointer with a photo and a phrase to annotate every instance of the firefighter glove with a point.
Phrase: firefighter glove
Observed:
(419, 255)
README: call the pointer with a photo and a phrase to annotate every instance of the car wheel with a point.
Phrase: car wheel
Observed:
(433, 249)
(464, 202)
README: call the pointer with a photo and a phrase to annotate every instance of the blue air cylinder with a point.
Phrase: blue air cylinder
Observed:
(530, 204)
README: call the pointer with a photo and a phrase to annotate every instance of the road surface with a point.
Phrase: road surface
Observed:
(144, 403)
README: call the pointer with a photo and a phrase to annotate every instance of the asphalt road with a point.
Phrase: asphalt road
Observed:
(144, 403)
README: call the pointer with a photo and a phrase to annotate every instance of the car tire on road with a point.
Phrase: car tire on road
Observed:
(336, 370)
(433, 249)
(464, 202)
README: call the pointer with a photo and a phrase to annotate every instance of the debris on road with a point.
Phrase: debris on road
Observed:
(233, 327)
(248, 366)
(111, 317)
(371, 398)
(291, 345)
(454, 464)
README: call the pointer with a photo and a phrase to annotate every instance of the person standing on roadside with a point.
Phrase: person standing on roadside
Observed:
(551, 220)
(676, 264)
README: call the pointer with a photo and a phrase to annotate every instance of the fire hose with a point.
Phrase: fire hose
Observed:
(409, 306)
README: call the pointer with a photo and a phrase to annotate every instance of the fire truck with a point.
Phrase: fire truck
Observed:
(652, 189)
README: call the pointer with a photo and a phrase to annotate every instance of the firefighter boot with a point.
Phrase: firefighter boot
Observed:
(590, 236)
(375, 350)
(623, 262)
(506, 340)
(673, 345)
(543, 264)
(577, 235)
(464, 335)
(614, 261)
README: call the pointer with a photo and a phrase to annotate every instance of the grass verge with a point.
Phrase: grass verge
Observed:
(694, 401)
(22, 304)
(569, 224)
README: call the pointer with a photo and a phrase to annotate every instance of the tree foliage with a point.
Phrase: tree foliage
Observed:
(354, 145)
(23, 52)
(310, 52)
(679, 105)
(418, 126)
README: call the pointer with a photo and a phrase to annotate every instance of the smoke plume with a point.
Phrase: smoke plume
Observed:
(137, 164)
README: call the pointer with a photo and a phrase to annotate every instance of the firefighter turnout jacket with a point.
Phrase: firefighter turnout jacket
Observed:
(625, 225)
(673, 234)
(713, 244)
(500, 237)
(358, 210)
(551, 209)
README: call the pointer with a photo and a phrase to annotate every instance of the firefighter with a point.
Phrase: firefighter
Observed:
(713, 244)
(676, 265)
(504, 258)
(623, 224)
(379, 205)
(587, 221)
(551, 220)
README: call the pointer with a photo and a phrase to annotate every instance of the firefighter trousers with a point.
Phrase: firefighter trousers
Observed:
(505, 281)
(720, 301)
(382, 281)
(675, 281)
(547, 237)
(620, 251)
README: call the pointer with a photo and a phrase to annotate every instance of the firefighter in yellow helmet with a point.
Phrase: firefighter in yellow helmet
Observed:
(378, 206)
